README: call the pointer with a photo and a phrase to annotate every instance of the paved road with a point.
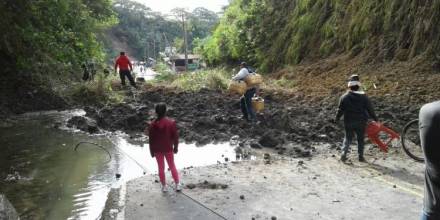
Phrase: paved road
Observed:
(322, 188)
(147, 74)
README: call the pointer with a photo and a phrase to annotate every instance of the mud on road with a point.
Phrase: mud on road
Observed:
(290, 123)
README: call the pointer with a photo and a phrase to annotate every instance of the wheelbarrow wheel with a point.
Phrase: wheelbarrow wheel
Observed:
(410, 140)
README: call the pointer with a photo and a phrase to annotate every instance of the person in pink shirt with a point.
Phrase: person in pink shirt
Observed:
(164, 142)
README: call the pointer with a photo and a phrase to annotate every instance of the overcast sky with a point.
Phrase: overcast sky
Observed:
(165, 6)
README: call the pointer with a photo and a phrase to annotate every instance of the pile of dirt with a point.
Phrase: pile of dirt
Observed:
(289, 124)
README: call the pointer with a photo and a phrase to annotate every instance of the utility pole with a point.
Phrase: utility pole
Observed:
(154, 48)
(148, 49)
(185, 41)
(180, 14)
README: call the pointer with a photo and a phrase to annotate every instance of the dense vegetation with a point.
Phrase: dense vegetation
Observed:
(43, 45)
(145, 32)
(40, 34)
(273, 33)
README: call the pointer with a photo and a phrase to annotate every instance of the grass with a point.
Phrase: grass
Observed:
(217, 79)
(98, 92)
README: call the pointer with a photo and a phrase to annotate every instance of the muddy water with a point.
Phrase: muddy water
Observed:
(44, 178)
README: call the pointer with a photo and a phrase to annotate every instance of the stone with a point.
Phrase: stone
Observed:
(191, 186)
(7, 211)
(83, 124)
(256, 145)
(268, 140)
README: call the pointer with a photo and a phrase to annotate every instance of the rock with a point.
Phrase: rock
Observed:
(219, 119)
(13, 177)
(83, 124)
(7, 211)
(256, 145)
(306, 154)
(235, 138)
(273, 218)
(191, 186)
(266, 156)
(90, 112)
(268, 140)
(203, 140)
(242, 197)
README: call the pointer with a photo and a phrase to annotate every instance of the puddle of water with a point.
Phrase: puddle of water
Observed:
(188, 155)
(55, 182)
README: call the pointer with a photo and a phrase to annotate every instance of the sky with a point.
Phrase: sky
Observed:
(164, 6)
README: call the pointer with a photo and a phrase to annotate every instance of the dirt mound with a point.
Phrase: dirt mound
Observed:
(290, 124)
(212, 116)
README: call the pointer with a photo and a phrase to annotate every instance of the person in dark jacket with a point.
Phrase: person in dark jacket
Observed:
(429, 126)
(356, 109)
(164, 141)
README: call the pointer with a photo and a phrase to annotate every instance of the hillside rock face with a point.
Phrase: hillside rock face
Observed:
(272, 33)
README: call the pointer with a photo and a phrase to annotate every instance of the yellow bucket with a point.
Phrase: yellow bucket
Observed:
(253, 79)
(258, 104)
(238, 87)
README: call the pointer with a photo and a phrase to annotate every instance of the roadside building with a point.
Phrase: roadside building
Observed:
(177, 62)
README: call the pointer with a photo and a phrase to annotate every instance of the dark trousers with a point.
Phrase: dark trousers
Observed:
(425, 216)
(126, 73)
(246, 104)
(357, 128)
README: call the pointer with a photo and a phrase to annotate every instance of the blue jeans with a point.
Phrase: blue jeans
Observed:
(357, 128)
(246, 104)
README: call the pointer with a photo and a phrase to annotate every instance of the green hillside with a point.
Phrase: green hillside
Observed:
(273, 33)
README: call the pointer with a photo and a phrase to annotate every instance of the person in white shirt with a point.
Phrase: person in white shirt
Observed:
(246, 99)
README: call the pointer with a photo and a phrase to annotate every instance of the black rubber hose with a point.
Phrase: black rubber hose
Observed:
(95, 144)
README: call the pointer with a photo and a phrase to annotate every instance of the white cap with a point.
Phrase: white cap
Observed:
(354, 83)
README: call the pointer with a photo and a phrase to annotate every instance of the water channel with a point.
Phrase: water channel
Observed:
(44, 178)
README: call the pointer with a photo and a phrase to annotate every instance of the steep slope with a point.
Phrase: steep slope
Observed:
(273, 33)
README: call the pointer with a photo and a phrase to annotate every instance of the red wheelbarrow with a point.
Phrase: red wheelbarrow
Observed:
(373, 132)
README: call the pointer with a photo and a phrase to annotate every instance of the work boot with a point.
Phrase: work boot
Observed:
(344, 157)
(362, 159)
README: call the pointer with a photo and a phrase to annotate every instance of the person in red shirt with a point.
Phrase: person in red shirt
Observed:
(164, 141)
(125, 69)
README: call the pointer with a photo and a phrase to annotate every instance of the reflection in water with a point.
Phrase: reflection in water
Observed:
(49, 180)
(188, 155)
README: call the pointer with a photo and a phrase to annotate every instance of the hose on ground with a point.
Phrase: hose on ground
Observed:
(95, 144)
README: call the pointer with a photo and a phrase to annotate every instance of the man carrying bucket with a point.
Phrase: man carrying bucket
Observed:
(356, 108)
(246, 99)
